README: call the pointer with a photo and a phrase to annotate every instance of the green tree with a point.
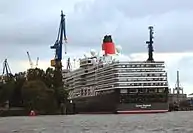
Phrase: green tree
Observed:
(35, 74)
(61, 95)
(6, 91)
(37, 96)
(49, 77)
(35, 89)
(57, 79)
(16, 99)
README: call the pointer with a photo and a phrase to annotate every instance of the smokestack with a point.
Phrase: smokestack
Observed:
(108, 46)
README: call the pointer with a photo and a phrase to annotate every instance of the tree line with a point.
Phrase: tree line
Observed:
(35, 89)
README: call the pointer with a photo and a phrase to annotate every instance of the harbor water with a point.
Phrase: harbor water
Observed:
(172, 122)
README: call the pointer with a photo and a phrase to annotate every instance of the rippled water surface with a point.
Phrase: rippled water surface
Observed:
(174, 122)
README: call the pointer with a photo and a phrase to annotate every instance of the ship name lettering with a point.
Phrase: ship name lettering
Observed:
(142, 105)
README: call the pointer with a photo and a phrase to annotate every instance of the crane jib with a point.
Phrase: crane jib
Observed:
(59, 41)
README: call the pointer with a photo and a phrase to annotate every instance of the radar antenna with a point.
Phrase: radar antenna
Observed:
(150, 44)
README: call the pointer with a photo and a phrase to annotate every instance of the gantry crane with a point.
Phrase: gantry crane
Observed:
(57, 61)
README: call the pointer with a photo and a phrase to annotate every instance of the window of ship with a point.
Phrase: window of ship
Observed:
(85, 92)
(133, 90)
(122, 80)
(123, 84)
(82, 92)
(164, 79)
(123, 91)
(122, 66)
(161, 90)
(152, 90)
(137, 84)
(141, 90)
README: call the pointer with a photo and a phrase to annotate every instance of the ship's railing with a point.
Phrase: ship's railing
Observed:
(133, 75)
(114, 66)
(90, 83)
(90, 76)
(135, 85)
(90, 79)
(139, 70)
(128, 70)
(143, 83)
(99, 66)
(114, 76)
(139, 65)
(142, 75)
(99, 73)
(108, 80)
(127, 87)
(78, 86)
(118, 63)
(148, 68)
(107, 67)
(125, 84)
(135, 81)
(132, 78)
(140, 62)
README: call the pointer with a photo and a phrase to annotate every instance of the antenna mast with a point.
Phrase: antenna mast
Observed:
(150, 44)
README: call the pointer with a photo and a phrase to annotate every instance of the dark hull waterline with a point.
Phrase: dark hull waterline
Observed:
(109, 104)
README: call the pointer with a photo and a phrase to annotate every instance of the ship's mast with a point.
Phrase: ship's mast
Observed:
(150, 44)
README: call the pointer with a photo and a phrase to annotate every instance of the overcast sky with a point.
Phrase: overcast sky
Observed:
(32, 25)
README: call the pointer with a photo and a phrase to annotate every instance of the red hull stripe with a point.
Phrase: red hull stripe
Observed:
(95, 112)
(142, 111)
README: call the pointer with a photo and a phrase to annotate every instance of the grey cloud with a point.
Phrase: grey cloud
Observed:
(129, 22)
(185, 68)
(34, 24)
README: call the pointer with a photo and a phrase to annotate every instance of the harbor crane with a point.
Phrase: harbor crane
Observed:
(30, 61)
(37, 61)
(6, 75)
(57, 61)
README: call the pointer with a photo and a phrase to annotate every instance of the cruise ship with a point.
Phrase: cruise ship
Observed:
(105, 84)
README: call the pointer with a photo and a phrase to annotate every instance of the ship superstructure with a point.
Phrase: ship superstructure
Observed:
(106, 84)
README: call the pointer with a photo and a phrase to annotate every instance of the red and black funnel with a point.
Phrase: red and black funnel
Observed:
(108, 45)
